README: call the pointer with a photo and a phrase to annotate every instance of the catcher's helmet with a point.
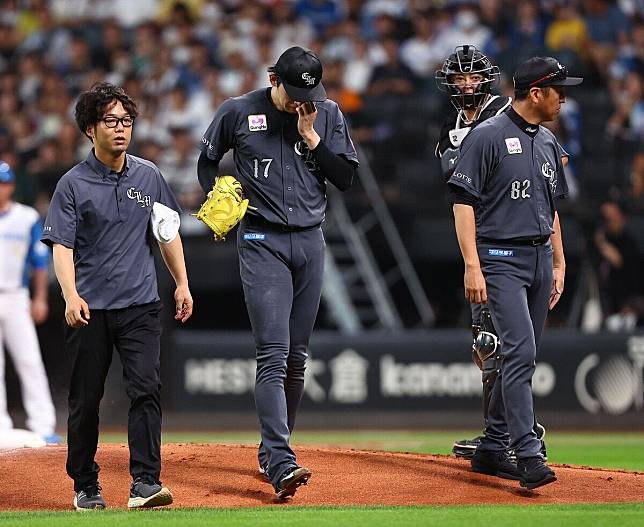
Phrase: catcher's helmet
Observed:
(467, 59)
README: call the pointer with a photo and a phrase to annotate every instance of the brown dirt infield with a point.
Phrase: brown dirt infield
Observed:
(226, 476)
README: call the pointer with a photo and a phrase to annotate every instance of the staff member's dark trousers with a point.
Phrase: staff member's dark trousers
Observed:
(519, 282)
(281, 273)
(135, 332)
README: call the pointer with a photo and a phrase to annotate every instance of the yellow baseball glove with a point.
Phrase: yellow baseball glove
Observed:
(224, 207)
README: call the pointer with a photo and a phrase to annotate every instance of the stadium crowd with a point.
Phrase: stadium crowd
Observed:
(181, 59)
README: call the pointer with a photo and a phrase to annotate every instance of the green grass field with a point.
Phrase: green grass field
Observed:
(617, 450)
(531, 515)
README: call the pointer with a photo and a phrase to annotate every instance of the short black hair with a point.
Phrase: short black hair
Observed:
(521, 94)
(91, 104)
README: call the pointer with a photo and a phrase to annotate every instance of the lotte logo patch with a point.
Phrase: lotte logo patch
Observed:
(257, 123)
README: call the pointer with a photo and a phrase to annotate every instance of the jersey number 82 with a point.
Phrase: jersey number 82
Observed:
(519, 189)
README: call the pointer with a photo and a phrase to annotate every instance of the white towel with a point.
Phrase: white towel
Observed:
(164, 222)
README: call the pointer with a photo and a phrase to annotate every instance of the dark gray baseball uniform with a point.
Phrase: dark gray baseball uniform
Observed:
(513, 171)
(281, 246)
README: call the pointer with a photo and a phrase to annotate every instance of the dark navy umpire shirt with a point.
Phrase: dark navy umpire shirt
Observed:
(514, 170)
(104, 216)
(277, 171)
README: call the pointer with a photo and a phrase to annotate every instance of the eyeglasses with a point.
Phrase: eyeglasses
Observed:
(112, 122)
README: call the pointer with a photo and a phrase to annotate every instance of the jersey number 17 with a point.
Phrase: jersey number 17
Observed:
(256, 163)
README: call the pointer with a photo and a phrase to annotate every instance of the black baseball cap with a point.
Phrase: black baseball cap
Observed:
(300, 70)
(539, 72)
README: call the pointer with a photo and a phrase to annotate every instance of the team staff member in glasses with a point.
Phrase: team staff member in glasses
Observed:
(100, 229)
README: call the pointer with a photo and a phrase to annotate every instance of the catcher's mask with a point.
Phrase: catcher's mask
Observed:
(467, 59)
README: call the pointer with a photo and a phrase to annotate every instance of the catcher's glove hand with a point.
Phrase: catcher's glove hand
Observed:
(224, 207)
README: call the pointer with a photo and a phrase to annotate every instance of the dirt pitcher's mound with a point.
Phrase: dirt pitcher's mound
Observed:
(227, 476)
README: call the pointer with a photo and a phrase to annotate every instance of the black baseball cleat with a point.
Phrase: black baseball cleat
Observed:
(146, 493)
(263, 462)
(291, 480)
(263, 470)
(465, 448)
(89, 498)
(534, 473)
(495, 463)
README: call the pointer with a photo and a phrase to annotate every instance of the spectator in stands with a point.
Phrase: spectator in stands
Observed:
(177, 164)
(393, 78)
(495, 16)
(627, 121)
(422, 53)
(320, 13)
(567, 32)
(630, 55)
(467, 28)
(636, 191)
(608, 27)
(358, 68)
(618, 269)
(526, 35)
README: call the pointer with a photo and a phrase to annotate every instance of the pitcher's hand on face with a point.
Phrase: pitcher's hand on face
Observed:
(474, 282)
(307, 113)
(76, 312)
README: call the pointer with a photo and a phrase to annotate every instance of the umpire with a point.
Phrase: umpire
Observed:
(99, 224)
(504, 189)
(288, 140)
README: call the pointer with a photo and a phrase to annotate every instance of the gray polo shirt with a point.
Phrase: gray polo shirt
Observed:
(514, 171)
(104, 217)
(277, 171)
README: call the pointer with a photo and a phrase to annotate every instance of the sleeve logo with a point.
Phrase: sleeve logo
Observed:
(513, 145)
(550, 174)
(257, 123)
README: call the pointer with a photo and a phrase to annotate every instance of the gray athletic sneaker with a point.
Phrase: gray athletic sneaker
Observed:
(89, 498)
(146, 493)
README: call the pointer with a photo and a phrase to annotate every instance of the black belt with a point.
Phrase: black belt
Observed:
(258, 221)
(531, 242)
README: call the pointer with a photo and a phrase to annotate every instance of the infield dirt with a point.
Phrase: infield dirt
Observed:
(202, 475)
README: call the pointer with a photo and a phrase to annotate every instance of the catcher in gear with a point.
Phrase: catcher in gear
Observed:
(468, 76)
(224, 207)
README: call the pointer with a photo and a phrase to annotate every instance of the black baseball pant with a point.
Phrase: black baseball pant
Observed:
(135, 332)
(282, 277)
(519, 282)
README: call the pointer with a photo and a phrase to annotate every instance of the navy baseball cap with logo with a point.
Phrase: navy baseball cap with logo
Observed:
(539, 72)
(6, 174)
(300, 70)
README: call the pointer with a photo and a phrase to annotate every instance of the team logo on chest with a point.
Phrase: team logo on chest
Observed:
(257, 123)
(513, 145)
(137, 195)
(550, 174)
(302, 150)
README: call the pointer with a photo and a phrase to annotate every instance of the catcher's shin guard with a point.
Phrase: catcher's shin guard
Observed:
(485, 354)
